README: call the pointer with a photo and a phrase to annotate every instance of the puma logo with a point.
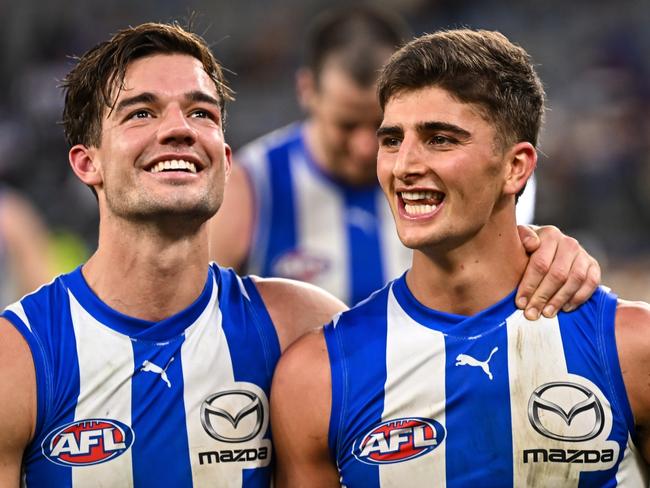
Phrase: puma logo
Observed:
(466, 360)
(154, 368)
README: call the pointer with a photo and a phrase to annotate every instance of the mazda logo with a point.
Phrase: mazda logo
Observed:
(540, 400)
(232, 415)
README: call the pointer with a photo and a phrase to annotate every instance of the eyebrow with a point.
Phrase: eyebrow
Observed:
(423, 127)
(148, 97)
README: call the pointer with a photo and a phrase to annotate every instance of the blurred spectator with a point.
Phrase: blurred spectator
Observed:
(25, 261)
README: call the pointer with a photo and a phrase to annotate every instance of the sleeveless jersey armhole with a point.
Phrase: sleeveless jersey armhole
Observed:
(43, 380)
(267, 330)
(609, 354)
(338, 378)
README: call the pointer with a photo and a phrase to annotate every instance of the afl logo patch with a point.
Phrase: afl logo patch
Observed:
(87, 442)
(399, 440)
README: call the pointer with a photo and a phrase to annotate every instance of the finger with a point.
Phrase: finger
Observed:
(588, 287)
(538, 266)
(557, 276)
(576, 280)
(528, 238)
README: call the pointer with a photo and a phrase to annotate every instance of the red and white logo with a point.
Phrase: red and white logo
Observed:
(86, 442)
(399, 440)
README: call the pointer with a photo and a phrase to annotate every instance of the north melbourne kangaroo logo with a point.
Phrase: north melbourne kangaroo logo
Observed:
(466, 360)
(154, 368)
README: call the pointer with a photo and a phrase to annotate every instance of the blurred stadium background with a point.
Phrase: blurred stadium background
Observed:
(593, 56)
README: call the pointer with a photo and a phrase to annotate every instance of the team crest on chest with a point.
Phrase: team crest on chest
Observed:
(399, 440)
(87, 442)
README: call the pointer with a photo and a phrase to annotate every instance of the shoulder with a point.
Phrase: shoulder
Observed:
(303, 369)
(296, 307)
(633, 322)
(17, 382)
(633, 344)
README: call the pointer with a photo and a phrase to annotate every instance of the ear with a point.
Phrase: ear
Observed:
(521, 162)
(227, 162)
(305, 88)
(82, 161)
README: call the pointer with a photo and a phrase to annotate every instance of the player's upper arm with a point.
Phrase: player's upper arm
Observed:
(296, 307)
(27, 241)
(18, 405)
(231, 229)
(633, 343)
(300, 412)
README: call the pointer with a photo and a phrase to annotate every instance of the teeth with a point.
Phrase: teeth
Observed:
(173, 164)
(417, 195)
(419, 209)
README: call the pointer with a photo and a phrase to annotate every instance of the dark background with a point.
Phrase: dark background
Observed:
(593, 56)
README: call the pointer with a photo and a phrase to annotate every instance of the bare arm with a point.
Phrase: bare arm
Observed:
(559, 275)
(232, 228)
(295, 307)
(27, 242)
(633, 343)
(18, 408)
(300, 412)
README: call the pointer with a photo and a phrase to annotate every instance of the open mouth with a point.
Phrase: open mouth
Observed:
(173, 165)
(421, 202)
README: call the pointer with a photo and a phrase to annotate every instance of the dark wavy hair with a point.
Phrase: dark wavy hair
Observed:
(95, 81)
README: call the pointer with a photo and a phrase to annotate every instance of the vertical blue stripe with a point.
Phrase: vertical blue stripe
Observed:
(282, 236)
(583, 334)
(254, 350)
(358, 367)
(54, 339)
(479, 432)
(165, 443)
(365, 270)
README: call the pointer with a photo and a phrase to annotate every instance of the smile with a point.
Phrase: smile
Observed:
(418, 203)
(173, 165)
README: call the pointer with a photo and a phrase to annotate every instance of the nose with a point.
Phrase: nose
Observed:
(175, 128)
(409, 162)
(363, 144)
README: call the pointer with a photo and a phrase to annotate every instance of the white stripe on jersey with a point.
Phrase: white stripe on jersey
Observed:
(632, 471)
(204, 370)
(18, 309)
(395, 257)
(321, 225)
(255, 160)
(535, 357)
(102, 389)
(403, 392)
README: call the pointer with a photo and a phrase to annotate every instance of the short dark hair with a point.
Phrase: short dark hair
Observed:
(358, 36)
(99, 74)
(475, 66)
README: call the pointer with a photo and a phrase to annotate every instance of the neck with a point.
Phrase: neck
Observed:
(148, 273)
(315, 146)
(471, 277)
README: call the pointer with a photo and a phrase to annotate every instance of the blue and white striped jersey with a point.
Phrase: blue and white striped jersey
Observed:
(424, 398)
(131, 403)
(313, 228)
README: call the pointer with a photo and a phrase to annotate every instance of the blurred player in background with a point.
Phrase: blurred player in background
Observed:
(25, 260)
(304, 202)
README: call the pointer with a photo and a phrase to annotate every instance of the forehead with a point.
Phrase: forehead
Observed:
(341, 93)
(166, 75)
(427, 104)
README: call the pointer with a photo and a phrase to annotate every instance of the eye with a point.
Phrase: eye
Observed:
(440, 140)
(203, 114)
(390, 141)
(139, 114)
